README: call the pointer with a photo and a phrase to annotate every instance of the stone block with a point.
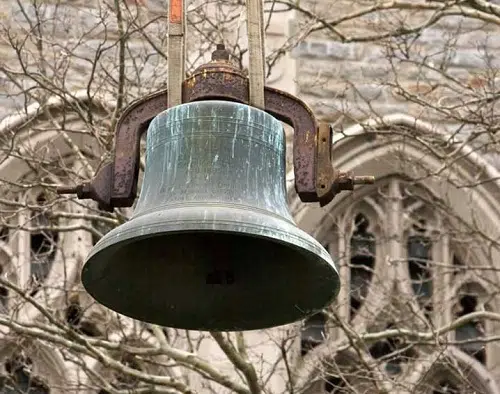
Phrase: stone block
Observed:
(300, 50)
(415, 72)
(366, 93)
(454, 22)
(421, 91)
(357, 112)
(317, 49)
(338, 50)
(374, 54)
(87, 48)
(326, 69)
(374, 70)
(479, 39)
(60, 20)
(431, 36)
(319, 90)
(475, 59)
(329, 49)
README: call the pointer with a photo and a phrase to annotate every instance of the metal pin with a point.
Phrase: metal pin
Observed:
(363, 180)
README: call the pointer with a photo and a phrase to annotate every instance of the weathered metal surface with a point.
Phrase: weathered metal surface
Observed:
(329, 180)
(131, 125)
(98, 189)
(220, 79)
(216, 80)
(213, 222)
(325, 173)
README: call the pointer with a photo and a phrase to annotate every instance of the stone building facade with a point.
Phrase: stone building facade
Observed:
(388, 227)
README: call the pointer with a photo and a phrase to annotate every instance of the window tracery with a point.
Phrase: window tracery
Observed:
(4, 234)
(392, 353)
(401, 238)
(468, 300)
(419, 248)
(458, 265)
(6, 266)
(4, 299)
(362, 261)
(4, 295)
(44, 255)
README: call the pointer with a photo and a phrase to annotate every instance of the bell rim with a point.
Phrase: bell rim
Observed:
(309, 247)
(336, 284)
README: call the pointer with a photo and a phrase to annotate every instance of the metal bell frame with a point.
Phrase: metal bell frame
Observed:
(316, 180)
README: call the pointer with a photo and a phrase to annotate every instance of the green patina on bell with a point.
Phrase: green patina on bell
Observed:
(212, 244)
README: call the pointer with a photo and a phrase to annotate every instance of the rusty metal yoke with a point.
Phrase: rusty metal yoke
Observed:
(316, 180)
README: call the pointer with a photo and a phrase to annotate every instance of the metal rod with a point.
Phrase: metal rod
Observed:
(66, 190)
(363, 180)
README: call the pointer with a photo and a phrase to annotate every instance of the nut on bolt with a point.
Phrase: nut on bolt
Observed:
(221, 53)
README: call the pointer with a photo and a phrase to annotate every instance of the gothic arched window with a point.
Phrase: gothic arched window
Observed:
(468, 303)
(4, 234)
(4, 296)
(392, 353)
(419, 258)
(401, 256)
(362, 261)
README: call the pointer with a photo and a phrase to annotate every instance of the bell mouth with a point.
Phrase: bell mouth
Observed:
(157, 269)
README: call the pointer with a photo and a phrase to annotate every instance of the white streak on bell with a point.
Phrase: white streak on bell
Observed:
(234, 140)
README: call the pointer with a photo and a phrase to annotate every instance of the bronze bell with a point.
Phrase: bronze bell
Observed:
(212, 244)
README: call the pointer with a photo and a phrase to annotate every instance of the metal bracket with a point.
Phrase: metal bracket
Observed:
(325, 173)
(329, 180)
(115, 185)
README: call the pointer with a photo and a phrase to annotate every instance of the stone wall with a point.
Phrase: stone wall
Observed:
(351, 82)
